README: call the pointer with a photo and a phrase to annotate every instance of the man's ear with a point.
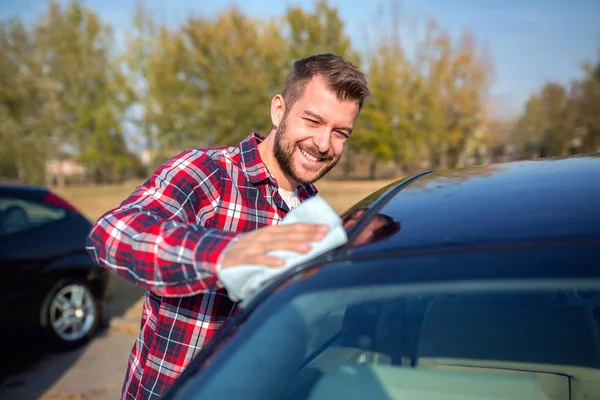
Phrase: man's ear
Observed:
(277, 110)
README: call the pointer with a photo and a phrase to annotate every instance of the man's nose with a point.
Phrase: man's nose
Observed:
(322, 141)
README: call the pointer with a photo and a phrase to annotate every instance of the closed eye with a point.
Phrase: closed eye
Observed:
(311, 121)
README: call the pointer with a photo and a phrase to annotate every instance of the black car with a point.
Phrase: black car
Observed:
(478, 283)
(48, 282)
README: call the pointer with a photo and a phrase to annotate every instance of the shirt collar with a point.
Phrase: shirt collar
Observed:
(255, 169)
(250, 160)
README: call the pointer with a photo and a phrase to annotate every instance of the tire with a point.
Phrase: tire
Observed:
(70, 314)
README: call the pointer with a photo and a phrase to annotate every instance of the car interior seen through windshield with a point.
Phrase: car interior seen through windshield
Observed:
(483, 340)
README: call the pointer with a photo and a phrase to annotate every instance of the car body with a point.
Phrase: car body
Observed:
(484, 285)
(48, 282)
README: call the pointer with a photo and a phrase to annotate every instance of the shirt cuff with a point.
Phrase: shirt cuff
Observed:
(211, 249)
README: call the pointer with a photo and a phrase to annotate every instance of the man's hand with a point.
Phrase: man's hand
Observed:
(252, 247)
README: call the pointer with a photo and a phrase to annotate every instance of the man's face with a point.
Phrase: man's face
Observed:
(310, 138)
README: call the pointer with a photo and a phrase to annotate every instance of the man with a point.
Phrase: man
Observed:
(207, 209)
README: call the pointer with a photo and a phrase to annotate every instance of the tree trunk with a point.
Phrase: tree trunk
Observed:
(443, 158)
(348, 167)
(400, 170)
(462, 157)
(60, 175)
(21, 172)
(373, 170)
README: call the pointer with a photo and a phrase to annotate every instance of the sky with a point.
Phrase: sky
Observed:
(531, 42)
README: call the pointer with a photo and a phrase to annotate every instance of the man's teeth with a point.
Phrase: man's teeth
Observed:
(305, 154)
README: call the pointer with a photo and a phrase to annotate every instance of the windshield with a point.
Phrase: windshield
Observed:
(469, 340)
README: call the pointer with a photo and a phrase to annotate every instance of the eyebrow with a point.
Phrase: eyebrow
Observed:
(322, 121)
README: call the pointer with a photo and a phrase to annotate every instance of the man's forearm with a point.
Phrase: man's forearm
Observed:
(167, 257)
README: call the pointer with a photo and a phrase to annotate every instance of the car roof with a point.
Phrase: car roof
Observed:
(507, 203)
(16, 188)
(24, 192)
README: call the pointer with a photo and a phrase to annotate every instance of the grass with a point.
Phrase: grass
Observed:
(94, 201)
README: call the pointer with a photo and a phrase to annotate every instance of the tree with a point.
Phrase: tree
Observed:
(210, 81)
(65, 90)
(455, 95)
(79, 60)
(319, 31)
(140, 47)
(546, 127)
(234, 65)
(586, 103)
(387, 127)
(27, 106)
(561, 119)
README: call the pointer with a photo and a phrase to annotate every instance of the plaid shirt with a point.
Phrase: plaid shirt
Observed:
(168, 236)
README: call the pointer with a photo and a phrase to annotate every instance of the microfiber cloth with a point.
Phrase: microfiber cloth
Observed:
(243, 281)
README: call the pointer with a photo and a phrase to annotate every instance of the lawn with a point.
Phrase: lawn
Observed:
(93, 201)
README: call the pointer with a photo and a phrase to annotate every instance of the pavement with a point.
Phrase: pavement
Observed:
(94, 372)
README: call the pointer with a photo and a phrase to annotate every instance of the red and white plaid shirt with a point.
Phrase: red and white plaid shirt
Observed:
(168, 236)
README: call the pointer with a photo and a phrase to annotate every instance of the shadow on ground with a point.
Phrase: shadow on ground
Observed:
(27, 356)
(27, 361)
(123, 299)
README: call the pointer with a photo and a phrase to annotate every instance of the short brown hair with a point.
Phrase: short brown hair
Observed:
(341, 76)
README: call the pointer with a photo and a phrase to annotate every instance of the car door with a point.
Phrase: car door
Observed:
(26, 230)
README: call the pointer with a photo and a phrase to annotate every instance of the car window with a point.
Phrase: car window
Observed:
(394, 341)
(328, 329)
(18, 215)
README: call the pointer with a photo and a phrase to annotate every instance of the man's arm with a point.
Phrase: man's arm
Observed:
(155, 238)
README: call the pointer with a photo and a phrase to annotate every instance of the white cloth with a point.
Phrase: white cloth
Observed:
(245, 280)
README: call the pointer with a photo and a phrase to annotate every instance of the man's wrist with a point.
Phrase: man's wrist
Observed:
(223, 253)
(209, 250)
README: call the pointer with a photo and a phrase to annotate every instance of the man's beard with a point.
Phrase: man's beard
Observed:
(284, 154)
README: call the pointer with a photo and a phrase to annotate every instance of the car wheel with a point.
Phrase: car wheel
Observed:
(70, 314)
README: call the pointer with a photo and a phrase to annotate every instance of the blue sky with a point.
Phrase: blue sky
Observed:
(531, 41)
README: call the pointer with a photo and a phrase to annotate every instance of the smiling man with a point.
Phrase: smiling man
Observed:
(209, 209)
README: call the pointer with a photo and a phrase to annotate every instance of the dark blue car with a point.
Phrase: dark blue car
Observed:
(479, 283)
(48, 282)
